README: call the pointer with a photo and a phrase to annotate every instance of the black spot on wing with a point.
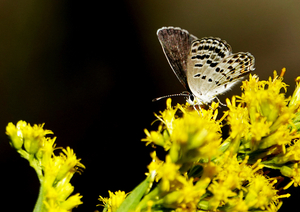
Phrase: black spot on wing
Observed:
(200, 57)
(213, 64)
(221, 54)
(198, 65)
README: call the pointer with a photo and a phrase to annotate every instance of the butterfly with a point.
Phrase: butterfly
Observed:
(206, 67)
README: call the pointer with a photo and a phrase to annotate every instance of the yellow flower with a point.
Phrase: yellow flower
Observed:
(169, 175)
(33, 137)
(154, 166)
(174, 190)
(155, 137)
(210, 170)
(191, 137)
(261, 193)
(72, 202)
(237, 118)
(295, 100)
(221, 193)
(58, 171)
(206, 173)
(293, 173)
(47, 150)
(15, 134)
(195, 136)
(161, 136)
(70, 165)
(57, 200)
(282, 136)
(264, 97)
(54, 172)
(231, 177)
(185, 198)
(238, 204)
(114, 201)
(260, 128)
(168, 116)
(295, 104)
(292, 154)
(263, 118)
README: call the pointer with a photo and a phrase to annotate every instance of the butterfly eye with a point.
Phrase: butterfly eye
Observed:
(191, 98)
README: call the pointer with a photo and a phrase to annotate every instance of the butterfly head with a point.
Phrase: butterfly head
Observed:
(194, 100)
(190, 98)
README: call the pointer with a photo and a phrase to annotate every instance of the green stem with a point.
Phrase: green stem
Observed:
(150, 196)
(39, 203)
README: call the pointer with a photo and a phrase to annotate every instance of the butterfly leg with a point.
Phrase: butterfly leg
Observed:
(195, 108)
(221, 102)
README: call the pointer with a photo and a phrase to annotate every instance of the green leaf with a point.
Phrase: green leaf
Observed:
(133, 199)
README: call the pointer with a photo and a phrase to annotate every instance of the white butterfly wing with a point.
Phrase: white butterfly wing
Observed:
(213, 69)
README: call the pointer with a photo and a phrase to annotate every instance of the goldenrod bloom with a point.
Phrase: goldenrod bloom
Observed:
(15, 134)
(206, 172)
(54, 172)
(190, 137)
(155, 166)
(293, 172)
(264, 115)
(114, 201)
(295, 99)
(184, 198)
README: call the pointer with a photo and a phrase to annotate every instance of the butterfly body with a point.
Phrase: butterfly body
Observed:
(205, 67)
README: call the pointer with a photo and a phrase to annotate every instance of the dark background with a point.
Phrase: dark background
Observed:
(89, 70)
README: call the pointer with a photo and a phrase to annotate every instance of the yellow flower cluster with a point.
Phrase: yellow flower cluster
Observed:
(264, 114)
(206, 171)
(188, 138)
(114, 201)
(54, 172)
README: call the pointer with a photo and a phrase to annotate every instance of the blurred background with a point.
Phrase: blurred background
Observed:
(89, 70)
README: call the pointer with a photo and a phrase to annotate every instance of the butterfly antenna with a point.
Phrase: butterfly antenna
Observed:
(167, 96)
